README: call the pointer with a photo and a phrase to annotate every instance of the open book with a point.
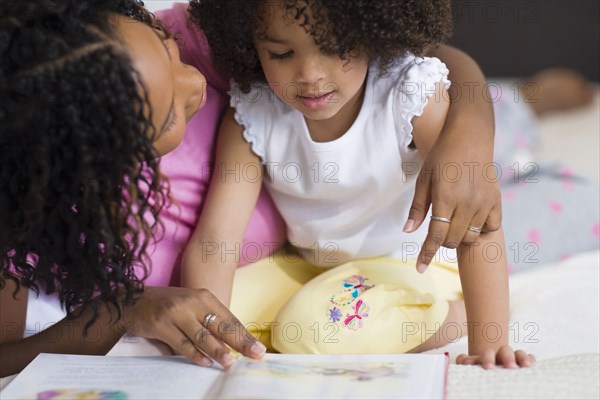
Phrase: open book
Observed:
(277, 376)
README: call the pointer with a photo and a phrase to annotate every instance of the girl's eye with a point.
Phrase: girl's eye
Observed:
(279, 56)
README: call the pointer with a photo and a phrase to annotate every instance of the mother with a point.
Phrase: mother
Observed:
(91, 93)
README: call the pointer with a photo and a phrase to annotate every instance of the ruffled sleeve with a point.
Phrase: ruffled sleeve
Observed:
(417, 83)
(253, 111)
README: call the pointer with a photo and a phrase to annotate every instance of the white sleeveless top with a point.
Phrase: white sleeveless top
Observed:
(348, 198)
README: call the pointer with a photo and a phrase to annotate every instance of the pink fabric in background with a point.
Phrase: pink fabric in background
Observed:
(188, 169)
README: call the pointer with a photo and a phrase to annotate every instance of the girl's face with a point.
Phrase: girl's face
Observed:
(321, 86)
(175, 90)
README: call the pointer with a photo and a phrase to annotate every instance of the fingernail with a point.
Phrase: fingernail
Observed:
(258, 349)
(206, 362)
(227, 360)
(421, 268)
(408, 226)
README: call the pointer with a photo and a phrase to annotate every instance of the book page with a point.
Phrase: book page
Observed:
(279, 376)
(56, 376)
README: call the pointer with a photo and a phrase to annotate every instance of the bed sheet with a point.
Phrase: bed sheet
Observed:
(573, 137)
(554, 309)
(555, 314)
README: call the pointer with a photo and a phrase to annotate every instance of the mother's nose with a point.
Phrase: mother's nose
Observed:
(193, 85)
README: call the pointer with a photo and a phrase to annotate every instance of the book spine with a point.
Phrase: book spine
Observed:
(447, 363)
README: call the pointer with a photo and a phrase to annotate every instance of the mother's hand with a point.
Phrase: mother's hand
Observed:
(183, 319)
(458, 180)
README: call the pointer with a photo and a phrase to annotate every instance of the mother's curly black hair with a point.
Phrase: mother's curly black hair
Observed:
(383, 30)
(80, 188)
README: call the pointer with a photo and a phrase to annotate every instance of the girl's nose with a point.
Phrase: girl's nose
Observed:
(310, 70)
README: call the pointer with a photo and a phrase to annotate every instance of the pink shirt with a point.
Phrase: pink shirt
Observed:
(189, 166)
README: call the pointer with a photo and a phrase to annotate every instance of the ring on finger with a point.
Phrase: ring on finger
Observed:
(474, 229)
(209, 318)
(440, 219)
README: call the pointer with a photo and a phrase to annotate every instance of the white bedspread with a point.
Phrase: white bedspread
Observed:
(569, 377)
(554, 309)
(554, 315)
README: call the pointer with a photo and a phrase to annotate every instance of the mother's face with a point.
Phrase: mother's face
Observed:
(175, 90)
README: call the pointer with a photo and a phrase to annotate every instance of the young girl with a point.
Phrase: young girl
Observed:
(336, 123)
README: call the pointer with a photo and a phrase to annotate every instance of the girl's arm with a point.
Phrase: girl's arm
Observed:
(171, 315)
(484, 277)
(466, 139)
(212, 254)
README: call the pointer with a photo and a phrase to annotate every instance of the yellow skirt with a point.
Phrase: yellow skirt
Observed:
(378, 305)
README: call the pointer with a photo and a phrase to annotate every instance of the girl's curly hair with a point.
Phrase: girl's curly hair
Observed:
(383, 30)
(80, 189)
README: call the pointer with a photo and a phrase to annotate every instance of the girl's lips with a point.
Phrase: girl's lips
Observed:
(318, 102)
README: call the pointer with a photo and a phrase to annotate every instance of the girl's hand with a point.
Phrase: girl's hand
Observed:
(183, 319)
(458, 181)
(505, 356)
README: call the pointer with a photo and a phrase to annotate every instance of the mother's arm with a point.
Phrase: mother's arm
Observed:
(467, 140)
(172, 315)
(65, 337)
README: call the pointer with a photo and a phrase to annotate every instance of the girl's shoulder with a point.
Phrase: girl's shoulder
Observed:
(408, 83)
(405, 88)
(410, 72)
(260, 112)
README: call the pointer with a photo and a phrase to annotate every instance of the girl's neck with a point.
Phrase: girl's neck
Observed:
(327, 130)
